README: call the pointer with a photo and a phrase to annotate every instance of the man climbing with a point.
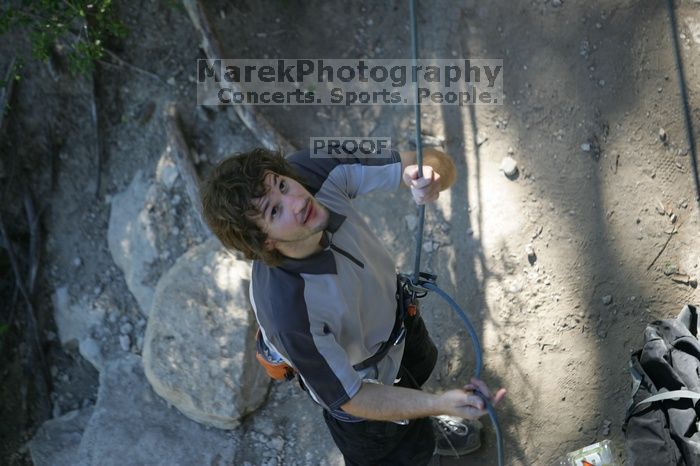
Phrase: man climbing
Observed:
(324, 291)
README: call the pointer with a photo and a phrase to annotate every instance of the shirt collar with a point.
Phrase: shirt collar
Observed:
(334, 221)
(322, 262)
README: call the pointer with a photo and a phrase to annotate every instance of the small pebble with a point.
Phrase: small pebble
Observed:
(126, 328)
(77, 262)
(509, 166)
(663, 135)
(277, 443)
(607, 299)
(530, 251)
(586, 147)
(125, 342)
(171, 80)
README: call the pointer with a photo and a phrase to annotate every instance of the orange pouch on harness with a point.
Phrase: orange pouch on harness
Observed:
(275, 366)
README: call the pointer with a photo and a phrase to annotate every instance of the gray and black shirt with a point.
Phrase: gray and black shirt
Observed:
(331, 310)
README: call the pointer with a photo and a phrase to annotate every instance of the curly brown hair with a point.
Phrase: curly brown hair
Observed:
(227, 201)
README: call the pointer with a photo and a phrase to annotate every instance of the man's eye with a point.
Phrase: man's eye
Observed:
(274, 212)
(283, 186)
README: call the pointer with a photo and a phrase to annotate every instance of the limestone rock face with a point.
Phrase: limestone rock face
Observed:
(199, 348)
(132, 426)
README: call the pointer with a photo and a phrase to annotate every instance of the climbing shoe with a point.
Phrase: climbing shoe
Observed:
(455, 436)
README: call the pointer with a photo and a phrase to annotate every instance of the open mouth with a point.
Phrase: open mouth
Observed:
(309, 211)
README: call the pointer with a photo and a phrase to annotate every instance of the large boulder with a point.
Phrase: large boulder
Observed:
(199, 348)
(132, 426)
(57, 441)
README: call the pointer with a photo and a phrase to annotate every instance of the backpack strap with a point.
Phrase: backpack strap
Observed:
(636, 374)
(687, 394)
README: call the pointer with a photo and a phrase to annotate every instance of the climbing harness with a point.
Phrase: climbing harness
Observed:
(278, 369)
(420, 283)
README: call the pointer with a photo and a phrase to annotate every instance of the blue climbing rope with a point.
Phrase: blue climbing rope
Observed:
(419, 141)
(417, 281)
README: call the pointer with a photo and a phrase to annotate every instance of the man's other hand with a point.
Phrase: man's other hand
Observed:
(425, 189)
(467, 404)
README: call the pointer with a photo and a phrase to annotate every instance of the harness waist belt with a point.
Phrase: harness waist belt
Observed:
(398, 332)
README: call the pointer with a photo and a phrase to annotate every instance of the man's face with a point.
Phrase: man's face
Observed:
(289, 213)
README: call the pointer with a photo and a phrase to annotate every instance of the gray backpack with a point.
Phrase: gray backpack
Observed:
(662, 426)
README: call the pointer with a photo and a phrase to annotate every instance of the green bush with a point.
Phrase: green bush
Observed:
(81, 25)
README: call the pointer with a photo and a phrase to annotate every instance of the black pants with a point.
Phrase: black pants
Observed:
(379, 443)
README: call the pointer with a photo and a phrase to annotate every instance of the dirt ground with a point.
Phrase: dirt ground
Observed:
(608, 207)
